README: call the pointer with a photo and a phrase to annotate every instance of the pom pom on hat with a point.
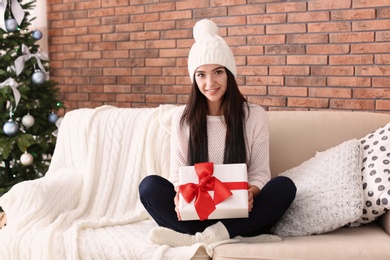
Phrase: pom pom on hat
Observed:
(204, 27)
(209, 48)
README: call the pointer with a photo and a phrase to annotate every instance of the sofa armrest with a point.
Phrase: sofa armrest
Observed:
(384, 221)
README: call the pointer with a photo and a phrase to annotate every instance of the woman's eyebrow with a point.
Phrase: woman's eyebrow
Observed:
(201, 71)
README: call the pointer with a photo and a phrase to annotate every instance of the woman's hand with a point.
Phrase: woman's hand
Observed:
(176, 199)
(252, 192)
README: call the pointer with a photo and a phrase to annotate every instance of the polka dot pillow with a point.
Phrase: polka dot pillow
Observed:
(375, 174)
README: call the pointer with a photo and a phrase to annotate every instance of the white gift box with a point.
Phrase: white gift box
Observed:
(235, 206)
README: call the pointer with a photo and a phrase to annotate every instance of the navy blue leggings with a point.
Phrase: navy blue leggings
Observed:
(157, 195)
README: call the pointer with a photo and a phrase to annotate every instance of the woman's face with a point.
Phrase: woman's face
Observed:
(212, 83)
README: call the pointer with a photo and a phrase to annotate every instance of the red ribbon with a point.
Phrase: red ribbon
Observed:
(204, 204)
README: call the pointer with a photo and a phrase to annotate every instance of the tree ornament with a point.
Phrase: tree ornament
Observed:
(26, 159)
(38, 77)
(37, 35)
(52, 117)
(10, 128)
(11, 25)
(28, 121)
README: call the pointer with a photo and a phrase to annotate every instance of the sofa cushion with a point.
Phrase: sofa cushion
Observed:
(329, 192)
(375, 173)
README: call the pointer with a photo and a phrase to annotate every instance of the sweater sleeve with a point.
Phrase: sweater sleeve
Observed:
(179, 146)
(258, 145)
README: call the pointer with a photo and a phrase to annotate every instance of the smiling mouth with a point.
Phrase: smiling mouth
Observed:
(212, 91)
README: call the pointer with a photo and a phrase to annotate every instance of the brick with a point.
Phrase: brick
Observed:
(191, 5)
(370, 48)
(246, 30)
(160, 80)
(104, 97)
(266, 39)
(87, 22)
(329, 27)
(62, 24)
(349, 81)
(265, 80)
(147, 89)
(161, 44)
(160, 7)
(173, 53)
(74, 31)
(175, 71)
(130, 98)
(106, 3)
(267, 101)
(285, 28)
(306, 81)
(267, 18)
(143, 18)
(352, 104)
(175, 34)
(369, 3)
(62, 40)
(288, 91)
(384, 13)
(246, 9)
(308, 102)
(76, 64)
(307, 38)
(75, 15)
(116, 37)
(115, 54)
(382, 59)
(253, 90)
(286, 7)
(88, 5)
(328, 5)
(248, 50)
(175, 15)
(353, 14)
(332, 70)
(76, 47)
(382, 105)
(101, 29)
(371, 25)
(102, 63)
(307, 59)
(89, 38)
(147, 35)
(161, 25)
(352, 37)
(285, 49)
(372, 93)
(289, 70)
(63, 7)
(308, 17)
(132, 10)
(62, 56)
(253, 70)
(102, 46)
(101, 12)
(226, 2)
(90, 88)
(103, 80)
(131, 80)
(161, 99)
(145, 71)
(379, 82)
(382, 36)
(116, 89)
(351, 59)
(144, 54)
(77, 96)
(379, 70)
(327, 49)
(330, 92)
(123, 19)
(266, 60)
(116, 71)
(89, 55)
(210, 12)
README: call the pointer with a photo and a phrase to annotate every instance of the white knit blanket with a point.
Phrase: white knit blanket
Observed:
(87, 205)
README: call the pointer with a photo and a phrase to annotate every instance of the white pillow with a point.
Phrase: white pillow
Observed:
(375, 174)
(329, 192)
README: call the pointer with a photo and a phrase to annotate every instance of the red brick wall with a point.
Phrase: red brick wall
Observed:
(328, 54)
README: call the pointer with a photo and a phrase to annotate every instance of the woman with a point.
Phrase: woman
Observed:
(216, 125)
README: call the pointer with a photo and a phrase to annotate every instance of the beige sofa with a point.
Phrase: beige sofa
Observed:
(295, 137)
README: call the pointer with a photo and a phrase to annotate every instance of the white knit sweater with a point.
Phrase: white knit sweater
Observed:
(257, 146)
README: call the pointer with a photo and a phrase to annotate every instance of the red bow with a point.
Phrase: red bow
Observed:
(204, 204)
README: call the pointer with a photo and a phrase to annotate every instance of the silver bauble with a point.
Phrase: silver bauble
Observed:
(11, 25)
(26, 159)
(28, 121)
(38, 77)
(10, 128)
(37, 35)
(52, 118)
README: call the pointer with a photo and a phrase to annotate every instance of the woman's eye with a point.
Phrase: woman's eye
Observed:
(200, 75)
(218, 72)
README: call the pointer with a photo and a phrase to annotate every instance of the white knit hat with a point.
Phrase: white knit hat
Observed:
(209, 48)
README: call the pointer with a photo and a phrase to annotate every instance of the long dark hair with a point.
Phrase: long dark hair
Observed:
(234, 113)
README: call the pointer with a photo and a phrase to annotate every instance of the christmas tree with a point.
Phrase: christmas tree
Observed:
(28, 98)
